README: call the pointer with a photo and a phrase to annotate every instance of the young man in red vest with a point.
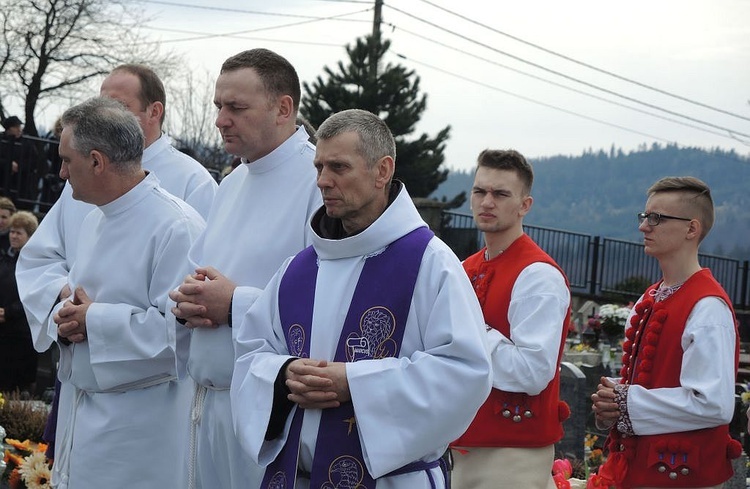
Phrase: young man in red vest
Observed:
(669, 412)
(526, 304)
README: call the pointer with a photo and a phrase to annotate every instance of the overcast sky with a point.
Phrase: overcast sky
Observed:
(699, 50)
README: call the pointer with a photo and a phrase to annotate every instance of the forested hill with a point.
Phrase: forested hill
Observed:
(600, 193)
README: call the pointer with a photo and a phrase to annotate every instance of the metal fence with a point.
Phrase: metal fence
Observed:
(29, 172)
(600, 267)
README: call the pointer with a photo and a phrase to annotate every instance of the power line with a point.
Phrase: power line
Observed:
(554, 107)
(259, 29)
(253, 12)
(529, 99)
(205, 35)
(560, 85)
(587, 65)
(549, 70)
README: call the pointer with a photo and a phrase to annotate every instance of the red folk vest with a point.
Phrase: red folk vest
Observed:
(697, 458)
(511, 419)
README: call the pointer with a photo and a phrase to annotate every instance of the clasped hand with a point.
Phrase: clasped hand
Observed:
(71, 318)
(202, 300)
(606, 410)
(317, 384)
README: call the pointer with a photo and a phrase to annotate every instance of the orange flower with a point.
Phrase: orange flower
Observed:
(12, 457)
(14, 481)
(18, 445)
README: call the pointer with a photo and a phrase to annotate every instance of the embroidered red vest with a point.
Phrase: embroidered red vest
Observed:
(652, 358)
(511, 419)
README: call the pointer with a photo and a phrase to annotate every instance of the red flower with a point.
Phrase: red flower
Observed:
(560, 481)
(562, 466)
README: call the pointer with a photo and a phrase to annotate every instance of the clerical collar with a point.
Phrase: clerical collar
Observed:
(332, 228)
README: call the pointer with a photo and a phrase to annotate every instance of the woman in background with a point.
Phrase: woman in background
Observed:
(18, 359)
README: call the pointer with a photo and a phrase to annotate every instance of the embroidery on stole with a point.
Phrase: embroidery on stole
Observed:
(373, 329)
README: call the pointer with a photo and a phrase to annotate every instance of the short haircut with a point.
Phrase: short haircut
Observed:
(105, 125)
(24, 220)
(277, 74)
(375, 139)
(152, 89)
(508, 159)
(7, 204)
(694, 193)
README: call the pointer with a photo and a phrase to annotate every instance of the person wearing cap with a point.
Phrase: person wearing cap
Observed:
(13, 130)
(13, 127)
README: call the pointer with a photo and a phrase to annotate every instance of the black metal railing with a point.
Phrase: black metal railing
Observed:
(29, 172)
(601, 267)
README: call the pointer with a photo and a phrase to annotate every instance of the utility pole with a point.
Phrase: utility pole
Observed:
(375, 41)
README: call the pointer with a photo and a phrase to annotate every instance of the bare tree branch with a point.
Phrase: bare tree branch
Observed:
(54, 47)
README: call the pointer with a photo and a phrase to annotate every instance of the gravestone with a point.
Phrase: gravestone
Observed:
(593, 374)
(573, 391)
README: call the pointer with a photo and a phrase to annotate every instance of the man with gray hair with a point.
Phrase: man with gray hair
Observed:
(117, 353)
(45, 261)
(348, 357)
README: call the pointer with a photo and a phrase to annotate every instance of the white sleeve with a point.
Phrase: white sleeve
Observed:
(261, 351)
(130, 342)
(428, 398)
(41, 273)
(537, 313)
(705, 397)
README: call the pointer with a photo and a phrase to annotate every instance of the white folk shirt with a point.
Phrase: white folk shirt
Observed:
(258, 219)
(705, 397)
(527, 361)
(130, 254)
(407, 408)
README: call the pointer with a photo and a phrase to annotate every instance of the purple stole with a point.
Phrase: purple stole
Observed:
(373, 329)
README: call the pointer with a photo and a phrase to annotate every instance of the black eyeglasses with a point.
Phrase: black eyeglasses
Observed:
(654, 218)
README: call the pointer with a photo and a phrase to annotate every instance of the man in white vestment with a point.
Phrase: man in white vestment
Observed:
(373, 334)
(43, 266)
(258, 219)
(118, 354)
(46, 259)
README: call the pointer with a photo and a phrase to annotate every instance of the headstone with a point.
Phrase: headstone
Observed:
(573, 391)
(593, 375)
(431, 211)
(583, 313)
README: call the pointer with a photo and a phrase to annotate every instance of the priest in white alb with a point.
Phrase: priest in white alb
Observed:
(118, 356)
(365, 355)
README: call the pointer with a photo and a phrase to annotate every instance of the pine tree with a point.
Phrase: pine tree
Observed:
(394, 96)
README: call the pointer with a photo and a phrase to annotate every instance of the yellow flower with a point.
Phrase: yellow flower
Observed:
(745, 398)
(35, 471)
(2, 400)
(590, 441)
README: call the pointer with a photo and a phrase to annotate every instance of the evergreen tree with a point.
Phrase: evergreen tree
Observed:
(395, 97)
